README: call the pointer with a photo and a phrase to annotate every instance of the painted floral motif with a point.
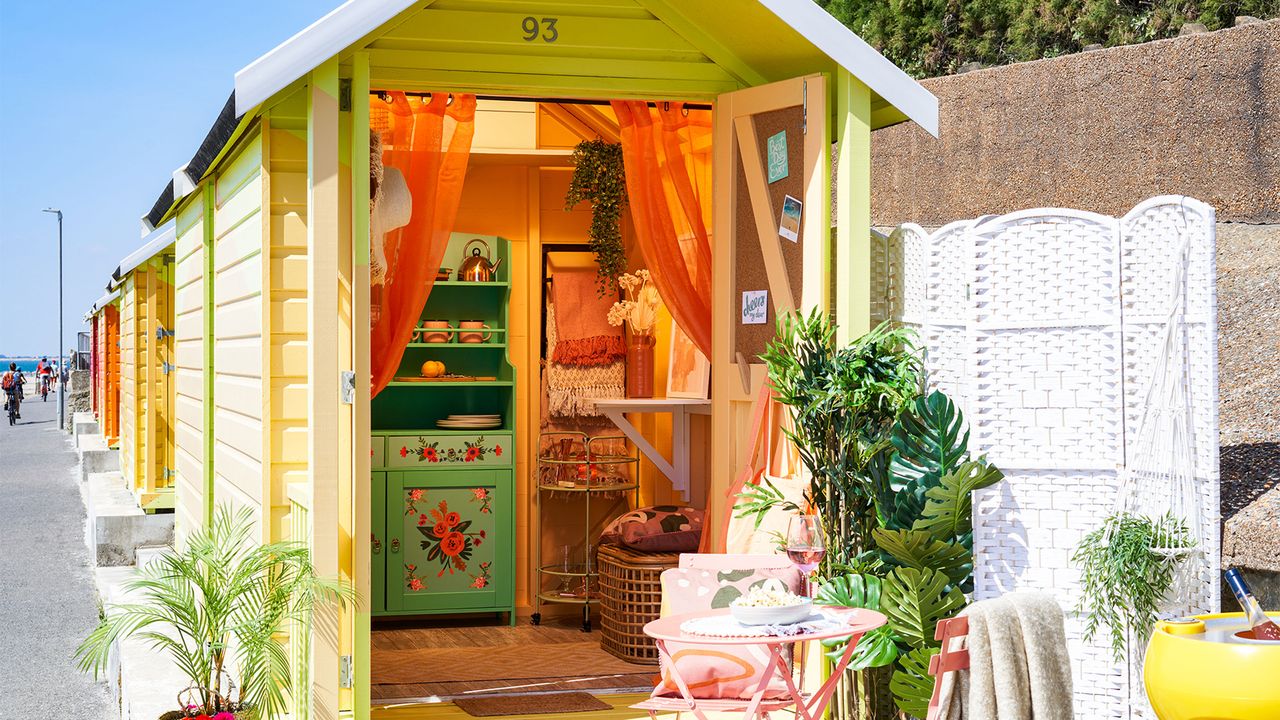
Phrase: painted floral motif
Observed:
(413, 496)
(481, 581)
(404, 451)
(484, 496)
(412, 581)
(472, 452)
(447, 538)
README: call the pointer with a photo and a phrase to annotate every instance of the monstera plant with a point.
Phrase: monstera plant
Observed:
(892, 476)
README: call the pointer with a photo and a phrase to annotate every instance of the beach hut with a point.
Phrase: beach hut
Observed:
(283, 304)
(104, 364)
(144, 283)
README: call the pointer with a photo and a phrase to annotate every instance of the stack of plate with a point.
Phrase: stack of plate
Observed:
(470, 422)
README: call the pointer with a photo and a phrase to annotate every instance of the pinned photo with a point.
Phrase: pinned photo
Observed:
(789, 228)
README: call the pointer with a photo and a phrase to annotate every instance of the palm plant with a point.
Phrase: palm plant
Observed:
(843, 402)
(221, 599)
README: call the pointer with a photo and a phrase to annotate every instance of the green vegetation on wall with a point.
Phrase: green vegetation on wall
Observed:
(935, 37)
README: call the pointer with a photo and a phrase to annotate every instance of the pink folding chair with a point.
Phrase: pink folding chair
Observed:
(954, 656)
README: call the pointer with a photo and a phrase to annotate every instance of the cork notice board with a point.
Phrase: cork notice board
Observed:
(749, 271)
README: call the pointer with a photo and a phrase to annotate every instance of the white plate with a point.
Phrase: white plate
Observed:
(475, 417)
(461, 425)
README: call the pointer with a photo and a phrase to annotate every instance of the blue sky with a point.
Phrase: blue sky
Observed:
(101, 102)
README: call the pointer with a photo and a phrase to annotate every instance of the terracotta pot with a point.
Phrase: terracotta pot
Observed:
(640, 366)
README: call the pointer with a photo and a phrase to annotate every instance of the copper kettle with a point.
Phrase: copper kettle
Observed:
(476, 267)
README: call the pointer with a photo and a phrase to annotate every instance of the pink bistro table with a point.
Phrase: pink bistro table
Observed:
(858, 622)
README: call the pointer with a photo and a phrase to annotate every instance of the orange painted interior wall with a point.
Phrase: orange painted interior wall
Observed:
(525, 204)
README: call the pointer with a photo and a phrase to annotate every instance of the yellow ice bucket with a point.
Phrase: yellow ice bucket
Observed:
(1202, 670)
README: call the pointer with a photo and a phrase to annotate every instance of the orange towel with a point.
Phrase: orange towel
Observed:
(584, 336)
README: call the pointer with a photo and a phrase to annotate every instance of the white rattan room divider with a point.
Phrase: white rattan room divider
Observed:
(1044, 325)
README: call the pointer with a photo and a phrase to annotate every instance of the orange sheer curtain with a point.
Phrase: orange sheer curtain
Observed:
(429, 142)
(667, 153)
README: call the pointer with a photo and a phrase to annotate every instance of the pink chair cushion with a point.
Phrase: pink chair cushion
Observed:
(662, 528)
(719, 672)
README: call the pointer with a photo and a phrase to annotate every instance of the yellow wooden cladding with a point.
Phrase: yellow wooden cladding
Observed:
(146, 385)
(189, 357)
(240, 479)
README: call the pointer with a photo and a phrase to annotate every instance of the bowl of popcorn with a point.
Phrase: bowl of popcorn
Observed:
(771, 603)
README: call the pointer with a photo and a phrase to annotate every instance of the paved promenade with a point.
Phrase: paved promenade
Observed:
(47, 597)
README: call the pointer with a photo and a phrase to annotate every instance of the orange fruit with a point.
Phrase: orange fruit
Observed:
(432, 369)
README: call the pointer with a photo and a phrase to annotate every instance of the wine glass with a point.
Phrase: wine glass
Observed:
(805, 550)
(804, 543)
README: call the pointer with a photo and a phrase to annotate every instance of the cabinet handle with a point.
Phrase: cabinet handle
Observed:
(395, 545)
(377, 546)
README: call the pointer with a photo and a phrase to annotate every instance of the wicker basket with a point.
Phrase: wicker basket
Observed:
(630, 596)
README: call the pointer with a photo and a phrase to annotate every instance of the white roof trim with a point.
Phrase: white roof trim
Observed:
(304, 52)
(159, 239)
(354, 19)
(102, 302)
(182, 184)
(853, 54)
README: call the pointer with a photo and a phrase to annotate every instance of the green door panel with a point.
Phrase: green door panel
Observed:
(378, 552)
(451, 546)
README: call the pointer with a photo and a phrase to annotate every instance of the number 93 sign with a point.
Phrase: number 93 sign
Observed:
(543, 29)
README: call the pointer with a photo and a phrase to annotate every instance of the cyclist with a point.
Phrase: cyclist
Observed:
(11, 385)
(45, 372)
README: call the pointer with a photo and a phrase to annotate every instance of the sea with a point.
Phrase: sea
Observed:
(27, 365)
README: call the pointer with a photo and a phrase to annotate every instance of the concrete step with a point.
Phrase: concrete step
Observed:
(145, 681)
(84, 423)
(95, 456)
(116, 526)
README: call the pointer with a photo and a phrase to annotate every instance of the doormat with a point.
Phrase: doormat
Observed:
(502, 662)
(551, 703)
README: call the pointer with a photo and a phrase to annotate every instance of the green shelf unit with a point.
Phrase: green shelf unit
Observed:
(417, 466)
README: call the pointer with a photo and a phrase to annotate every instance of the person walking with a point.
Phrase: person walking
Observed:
(11, 384)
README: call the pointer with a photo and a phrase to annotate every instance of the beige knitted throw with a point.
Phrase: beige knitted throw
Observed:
(1018, 663)
(570, 387)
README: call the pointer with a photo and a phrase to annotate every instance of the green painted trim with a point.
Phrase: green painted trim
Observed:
(697, 37)
(853, 232)
(362, 636)
(208, 242)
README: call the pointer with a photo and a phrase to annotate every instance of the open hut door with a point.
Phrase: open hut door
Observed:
(772, 234)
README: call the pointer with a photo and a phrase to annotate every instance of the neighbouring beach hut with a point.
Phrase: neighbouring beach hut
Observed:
(104, 364)
(285, 312)
(144, 282)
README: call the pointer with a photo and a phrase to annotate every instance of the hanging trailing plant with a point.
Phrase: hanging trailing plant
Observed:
(599, 178)
(1125, 573)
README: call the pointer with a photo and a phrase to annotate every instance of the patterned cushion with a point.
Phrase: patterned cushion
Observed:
(708, 669)
(662, 528)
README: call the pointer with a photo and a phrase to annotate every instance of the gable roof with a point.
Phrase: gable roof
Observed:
(822, 33)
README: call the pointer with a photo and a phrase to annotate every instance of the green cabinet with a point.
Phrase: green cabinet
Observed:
(443, 520)
(450, 547)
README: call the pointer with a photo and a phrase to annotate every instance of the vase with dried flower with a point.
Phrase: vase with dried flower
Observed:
(639, 311)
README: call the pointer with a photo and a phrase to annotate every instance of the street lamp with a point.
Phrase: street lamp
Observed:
(62, 361)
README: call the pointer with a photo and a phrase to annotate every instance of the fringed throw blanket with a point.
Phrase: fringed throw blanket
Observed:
(583, 333)
(569, 387)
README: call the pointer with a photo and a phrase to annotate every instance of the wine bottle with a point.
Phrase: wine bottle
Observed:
(1263, 627)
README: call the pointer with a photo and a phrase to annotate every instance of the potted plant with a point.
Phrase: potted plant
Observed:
(639, 312)
(220, 603)
(1127, 567)
(892, 477)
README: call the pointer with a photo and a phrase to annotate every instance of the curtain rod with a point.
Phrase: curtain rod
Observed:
(688, 105)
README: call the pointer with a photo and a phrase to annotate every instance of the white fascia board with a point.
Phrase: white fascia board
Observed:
(182, 184)
(102, 302)
(302, 53)
(159, 239)
(853, 54)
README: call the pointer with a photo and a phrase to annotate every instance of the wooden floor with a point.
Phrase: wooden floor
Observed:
(426, 661)
(620, 710)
